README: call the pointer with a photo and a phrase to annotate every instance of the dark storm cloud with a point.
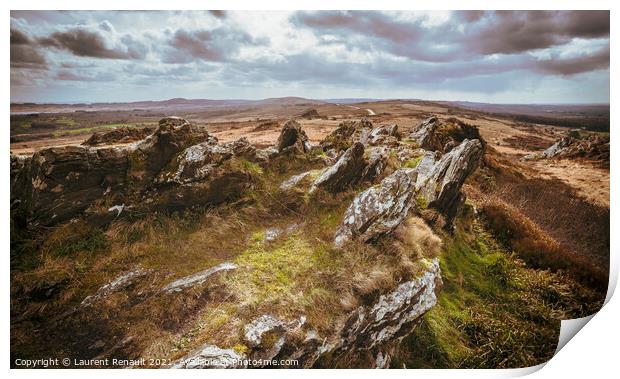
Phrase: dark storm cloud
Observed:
(209, 45)
(86, 43)
(575, 65)
(19, 38)
(509, 32)
(218, 14)
(481, 33)
(24, 54)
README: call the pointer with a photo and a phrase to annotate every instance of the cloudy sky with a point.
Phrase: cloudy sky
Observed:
(499, 57)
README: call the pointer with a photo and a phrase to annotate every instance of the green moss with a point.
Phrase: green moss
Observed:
(492, 312)
(421, 202)
(413, 163)
(271, 274)
(251, 167)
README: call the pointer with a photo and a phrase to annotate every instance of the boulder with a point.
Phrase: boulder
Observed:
(440, 180)
(310, 114)
(345, 172)
(58, 183)
(149, 156)
(394, 314)
(384, 135)
(379, 209)
(293, 138)
(119, 135)
(377, 164)
(346, 134)
(443, 135)
(424, 132)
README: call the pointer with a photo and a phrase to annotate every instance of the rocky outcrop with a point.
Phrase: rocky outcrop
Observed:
(293, 138)
(310, 114)
(345, 172)
(443, 135)
(384, 135)
(439, 182)
(370, 328)
(423, 133)
(60, 182)
(346, 134)
(379, 209)
(394, 314)
(120, 135)
(177, 166)
(376, 165)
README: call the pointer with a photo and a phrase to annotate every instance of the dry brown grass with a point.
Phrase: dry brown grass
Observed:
(537, 248)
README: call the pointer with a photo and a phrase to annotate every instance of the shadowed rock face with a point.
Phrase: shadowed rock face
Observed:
(177, 166)
(443, 135)
(345, 172)
(120, 135)
(346, 134)
(59, 182)
(439, 183)
(293, 138)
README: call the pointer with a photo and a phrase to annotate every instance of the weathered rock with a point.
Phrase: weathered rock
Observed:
(262, 325)
(310, 114)
(384, 135)
(293, 138)
(197, 278)
(376, 165)
(294, 180)
(119, 135)
(439, 183)
(345, 172)
(423, 133)
(268, 327)
(59, 182)
(379, 209)
(244, 149)
(149, 156)
(211, 356)
(443, 135)
(119, 283)
(195, 163)
(394, 315)
(346, 134)
(594, 148)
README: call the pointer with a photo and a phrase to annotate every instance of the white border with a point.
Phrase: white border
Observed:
(594, 350)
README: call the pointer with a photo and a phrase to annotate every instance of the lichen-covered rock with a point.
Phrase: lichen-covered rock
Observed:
(394, 314)
(195, 163)
(211, 356)
(152, 154)
(123, 134)
(443, 135)
(345, 172)
(379, 209)
(423, 133)
(122, 281)
(439, 183)
(384, 135)
(346, 134)
(197, 278)
(376, 165)
(59, 182)
(293, 138)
